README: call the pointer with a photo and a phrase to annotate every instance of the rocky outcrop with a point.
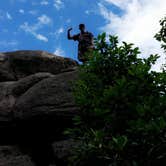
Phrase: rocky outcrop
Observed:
(51, 96)
(63, 149)
(36, 103)
(12, 156)
(12, 90)
(19, 64)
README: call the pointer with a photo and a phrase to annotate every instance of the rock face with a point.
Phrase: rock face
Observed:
(51, 96)
(13, 90)
(63, 149)
(36, 104)
(11, 156)
(19, 64)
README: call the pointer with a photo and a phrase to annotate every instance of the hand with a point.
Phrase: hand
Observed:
(70, 29)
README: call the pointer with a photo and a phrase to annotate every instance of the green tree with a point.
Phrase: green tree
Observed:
(123, 108)
(161, 35)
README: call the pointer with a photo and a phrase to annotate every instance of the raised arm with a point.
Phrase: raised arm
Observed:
(68, 34)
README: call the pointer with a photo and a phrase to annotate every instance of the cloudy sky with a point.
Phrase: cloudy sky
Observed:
(42, 24)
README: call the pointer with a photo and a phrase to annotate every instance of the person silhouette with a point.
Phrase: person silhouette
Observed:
(85, 42)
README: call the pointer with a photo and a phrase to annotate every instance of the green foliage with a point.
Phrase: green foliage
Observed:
(123, 119)
(161, 35)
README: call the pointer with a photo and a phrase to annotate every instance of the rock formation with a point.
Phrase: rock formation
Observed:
(19, 64)
(36, 105)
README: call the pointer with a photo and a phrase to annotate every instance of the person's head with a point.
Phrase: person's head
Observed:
(82, 27)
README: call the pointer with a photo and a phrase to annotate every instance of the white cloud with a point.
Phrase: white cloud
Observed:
(41, 37)
(138, 24)
(58, 51)
(87, 12)
(21, 11)
(92, 11)
(7, 44)
(60, 30)
(44, 2)
(9, 17)
(27, 28)
(58, 4)
(32, 31)
(33, 12)
(119, 3)
(44, 19)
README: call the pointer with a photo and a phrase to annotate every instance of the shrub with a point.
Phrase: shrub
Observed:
(123, 108)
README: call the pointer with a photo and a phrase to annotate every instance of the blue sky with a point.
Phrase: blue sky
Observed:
(42, 24)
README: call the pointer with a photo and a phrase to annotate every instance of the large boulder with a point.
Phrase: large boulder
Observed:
(19, 64)
(10, 91)
(49, 97)
(63, 149)
(36, 105)
(11, 156)
(6, 73)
